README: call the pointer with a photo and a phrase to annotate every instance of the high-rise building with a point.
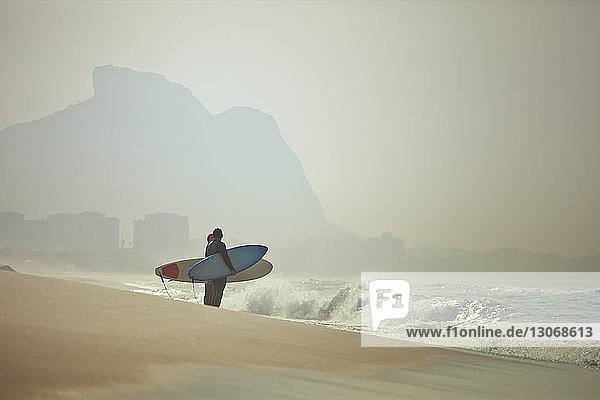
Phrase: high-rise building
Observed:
(96, 233)
(161, 232)
(87, 232)
(12, 225)
(36, 235)
(60, 230)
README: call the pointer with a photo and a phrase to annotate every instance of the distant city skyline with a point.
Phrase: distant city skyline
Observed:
(86, 232)
(164, 236)
(459, 125)
(89, 241)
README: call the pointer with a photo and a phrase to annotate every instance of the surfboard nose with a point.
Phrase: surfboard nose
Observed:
(170, 271)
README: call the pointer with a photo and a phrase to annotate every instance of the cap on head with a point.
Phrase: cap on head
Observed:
(218, 233)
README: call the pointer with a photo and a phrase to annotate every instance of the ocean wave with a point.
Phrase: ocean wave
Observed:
(300, 300)
(337, 304)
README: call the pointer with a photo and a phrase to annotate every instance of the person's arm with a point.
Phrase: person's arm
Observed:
(223, 251)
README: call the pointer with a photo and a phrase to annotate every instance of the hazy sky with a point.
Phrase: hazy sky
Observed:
(473, 125)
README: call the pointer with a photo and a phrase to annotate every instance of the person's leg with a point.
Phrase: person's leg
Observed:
(219, 287)
(208, 293)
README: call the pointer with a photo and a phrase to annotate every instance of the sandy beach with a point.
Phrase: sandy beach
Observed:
(64, 339)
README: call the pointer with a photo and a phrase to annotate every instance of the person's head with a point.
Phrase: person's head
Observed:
(218, 233)
(210, 238)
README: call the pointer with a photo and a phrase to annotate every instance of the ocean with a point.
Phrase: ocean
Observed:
(436, 300)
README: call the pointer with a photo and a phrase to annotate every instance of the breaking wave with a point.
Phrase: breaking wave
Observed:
(337, 304)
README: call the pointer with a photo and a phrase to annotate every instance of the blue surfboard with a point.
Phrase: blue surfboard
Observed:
(214, 267)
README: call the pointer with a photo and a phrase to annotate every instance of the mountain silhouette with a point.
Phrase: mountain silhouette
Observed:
(143, 144)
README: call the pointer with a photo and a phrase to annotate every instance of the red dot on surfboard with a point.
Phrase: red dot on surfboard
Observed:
(171, 271)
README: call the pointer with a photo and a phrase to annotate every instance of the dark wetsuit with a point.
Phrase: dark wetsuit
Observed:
(214, 289)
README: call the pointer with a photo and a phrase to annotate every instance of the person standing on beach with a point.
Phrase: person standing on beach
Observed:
(217, 286)
(208, 284)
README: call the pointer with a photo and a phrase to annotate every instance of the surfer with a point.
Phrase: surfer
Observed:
(208, 284)
(215, 288)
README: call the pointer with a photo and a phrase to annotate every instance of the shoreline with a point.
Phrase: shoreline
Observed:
(534, 354)
(65, 339)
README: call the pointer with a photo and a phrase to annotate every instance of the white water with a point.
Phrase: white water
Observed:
(337, 304)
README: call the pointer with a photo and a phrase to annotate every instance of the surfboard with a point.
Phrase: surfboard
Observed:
(213, 267)
(178, 271)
